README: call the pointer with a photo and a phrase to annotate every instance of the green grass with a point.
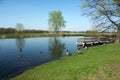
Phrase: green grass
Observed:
(96, 63)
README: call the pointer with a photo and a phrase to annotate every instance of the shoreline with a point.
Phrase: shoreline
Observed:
(32, 35)
(79, 66)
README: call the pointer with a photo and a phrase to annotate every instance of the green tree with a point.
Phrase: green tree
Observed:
(20, 27)
(105, 13)
(56, 21)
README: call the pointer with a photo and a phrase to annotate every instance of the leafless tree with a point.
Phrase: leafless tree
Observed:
(104, 13)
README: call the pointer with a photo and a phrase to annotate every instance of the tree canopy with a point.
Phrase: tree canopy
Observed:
(19, 27)
(56, 21)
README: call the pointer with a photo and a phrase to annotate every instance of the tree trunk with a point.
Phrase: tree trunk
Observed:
(118, 35)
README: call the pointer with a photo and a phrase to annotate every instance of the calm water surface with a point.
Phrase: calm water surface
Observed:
(18, 55)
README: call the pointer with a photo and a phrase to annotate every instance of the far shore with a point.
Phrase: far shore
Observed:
(29, 35)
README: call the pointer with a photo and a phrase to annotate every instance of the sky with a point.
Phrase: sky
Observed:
(33, 14)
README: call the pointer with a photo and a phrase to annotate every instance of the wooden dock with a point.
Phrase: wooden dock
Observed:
(92, 41)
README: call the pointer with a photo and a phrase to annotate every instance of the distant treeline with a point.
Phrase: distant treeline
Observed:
(7, 30)
(13, 30)
(35, 31)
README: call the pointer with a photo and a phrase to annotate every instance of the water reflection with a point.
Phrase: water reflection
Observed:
(1, 42)
(0, 46)
(20, 54)
(56, 47)
(20, 43)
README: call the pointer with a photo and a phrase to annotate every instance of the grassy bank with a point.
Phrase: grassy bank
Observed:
(96, 63)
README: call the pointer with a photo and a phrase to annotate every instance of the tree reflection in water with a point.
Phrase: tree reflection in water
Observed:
(0, 47)
(20, 43)
(56, 47)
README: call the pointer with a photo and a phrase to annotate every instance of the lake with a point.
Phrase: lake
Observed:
(18, 55)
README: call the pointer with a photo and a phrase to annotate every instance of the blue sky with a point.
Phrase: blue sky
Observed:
(33, 14)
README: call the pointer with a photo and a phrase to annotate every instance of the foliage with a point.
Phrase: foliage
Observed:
(96, 63)
(105, 13)
(56, 21)
(35, 31)
(7, 30)
(19, 27)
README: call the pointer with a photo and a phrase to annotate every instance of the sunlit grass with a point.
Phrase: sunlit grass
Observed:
(96, 63)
